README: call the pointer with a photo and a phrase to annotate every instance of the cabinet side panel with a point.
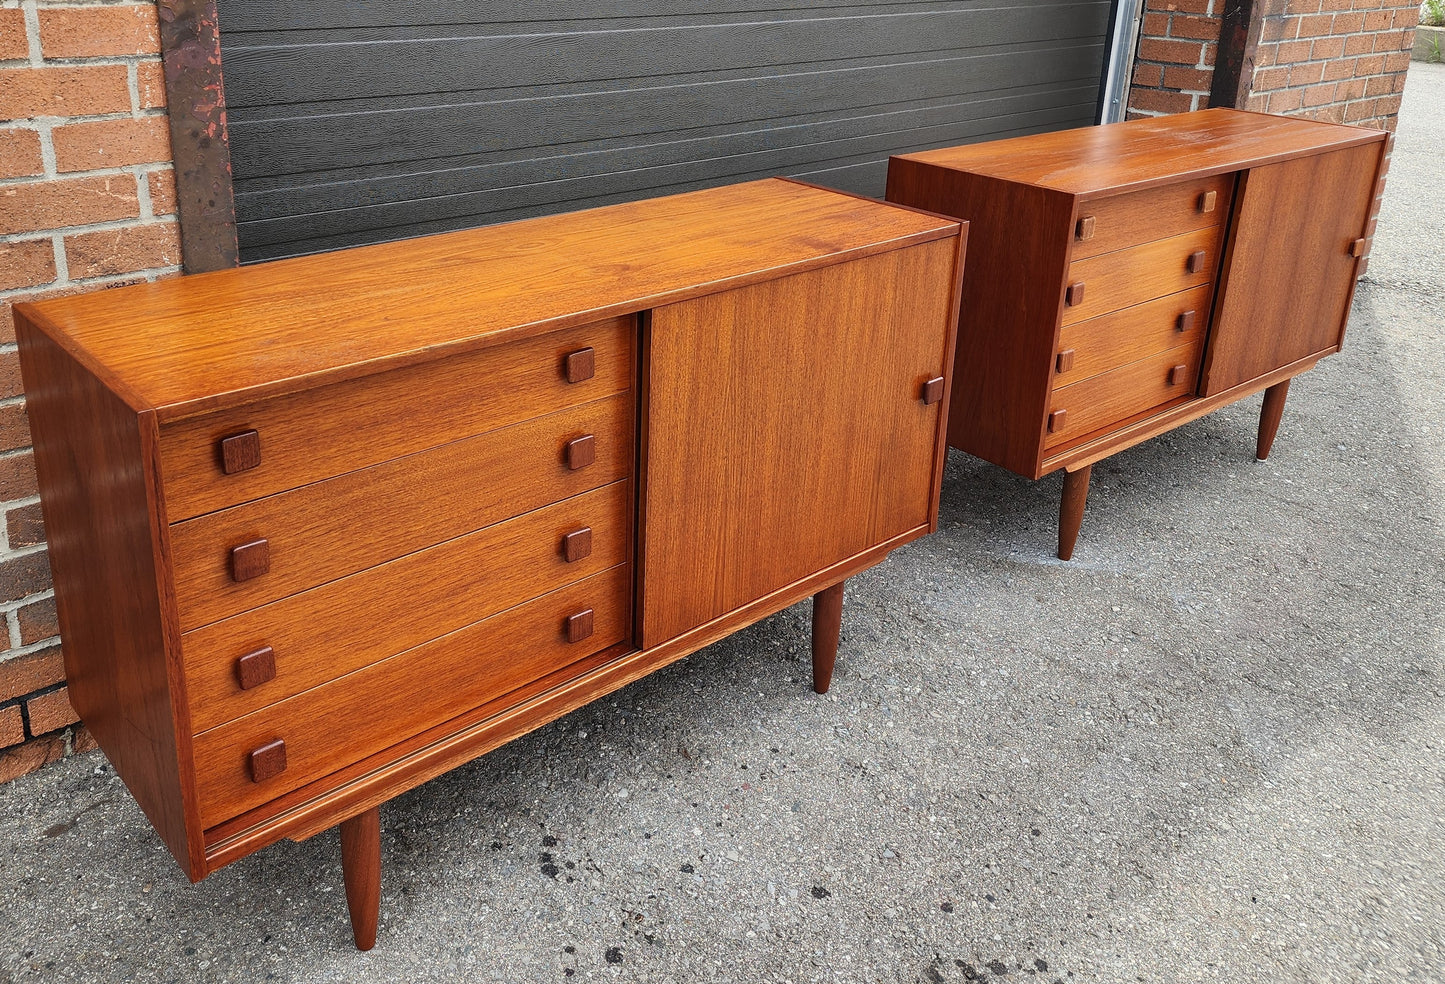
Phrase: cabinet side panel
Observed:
(91, 460)
(787, 430)
(1289, 273)
(1018, 242)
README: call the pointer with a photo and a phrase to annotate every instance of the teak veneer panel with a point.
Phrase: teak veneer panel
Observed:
(1104, 160)
(1132, 276)
(1121, 337)
(309, 436)
(347, 719)
(1112, 396)
(316, 635)
(95, 461)
(1295, 226)
(1157, 213)
(1009, 308)
(212, 340)
(354, 521)
(739, 503)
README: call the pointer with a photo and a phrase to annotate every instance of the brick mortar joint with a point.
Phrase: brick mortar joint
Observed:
(10, 655)
(20, 122)
(106, 280)
(19, 699)
(19, 553)
(30, 599)
(87, 61)
(87, 4)
(112, 225)
(23, 702)
(69, 733)
(146, 168)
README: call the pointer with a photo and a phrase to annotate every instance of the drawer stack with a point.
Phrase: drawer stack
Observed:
(477, 510)
(1136, 304)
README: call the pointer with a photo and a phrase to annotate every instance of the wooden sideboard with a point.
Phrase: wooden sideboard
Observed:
(1126, 279)
(324, 528)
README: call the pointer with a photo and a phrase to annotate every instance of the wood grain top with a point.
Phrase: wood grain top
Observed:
(1100, 160)
(196, 343)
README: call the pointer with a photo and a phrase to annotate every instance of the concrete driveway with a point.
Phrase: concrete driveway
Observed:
(1210, 748)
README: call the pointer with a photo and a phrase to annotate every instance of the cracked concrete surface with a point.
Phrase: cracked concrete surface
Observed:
(1210, 748)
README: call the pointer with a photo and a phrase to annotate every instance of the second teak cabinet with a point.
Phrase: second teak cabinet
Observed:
(1125, 279)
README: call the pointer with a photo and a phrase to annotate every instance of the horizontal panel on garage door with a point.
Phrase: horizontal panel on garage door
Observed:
(358, 123)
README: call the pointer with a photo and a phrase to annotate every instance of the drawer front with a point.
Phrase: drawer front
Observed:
(1101, 344)
(1127, 277)
(327, 530)
(305, 437)
(1095, 403)
(338, 723)
(316, 636)
(1106, 224)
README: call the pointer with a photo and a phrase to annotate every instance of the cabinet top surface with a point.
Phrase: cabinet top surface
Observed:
(199, 342)
(1121, 156)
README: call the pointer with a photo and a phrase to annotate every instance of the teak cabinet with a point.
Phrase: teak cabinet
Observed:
(1125, 279)
(324, 528)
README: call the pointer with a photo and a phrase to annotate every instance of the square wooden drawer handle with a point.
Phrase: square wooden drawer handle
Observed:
(577, 545)
(1058, 420)
(932, 391)
(1176, 375)
(268, 760)
(1065, 361)
(581, 451)
(581, 365)
(1207, 200)
(250, 560)
(1195, 263)
(1084, 230)
(256, 668)
(1357, 248)
(240, 452)
(1187, 320)
(1074, 296)
(579, 626)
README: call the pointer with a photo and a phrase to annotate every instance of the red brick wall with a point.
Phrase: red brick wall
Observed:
(87, 200)
(1337, 60)
(1174, 65)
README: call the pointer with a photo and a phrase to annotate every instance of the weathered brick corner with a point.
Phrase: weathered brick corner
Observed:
(87, 200)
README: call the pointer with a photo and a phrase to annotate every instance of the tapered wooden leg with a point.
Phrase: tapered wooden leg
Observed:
(361, 870)
(1071, 509)
(827, 624)
(1269, 418)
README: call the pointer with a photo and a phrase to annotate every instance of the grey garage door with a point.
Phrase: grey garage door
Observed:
(361, 122)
